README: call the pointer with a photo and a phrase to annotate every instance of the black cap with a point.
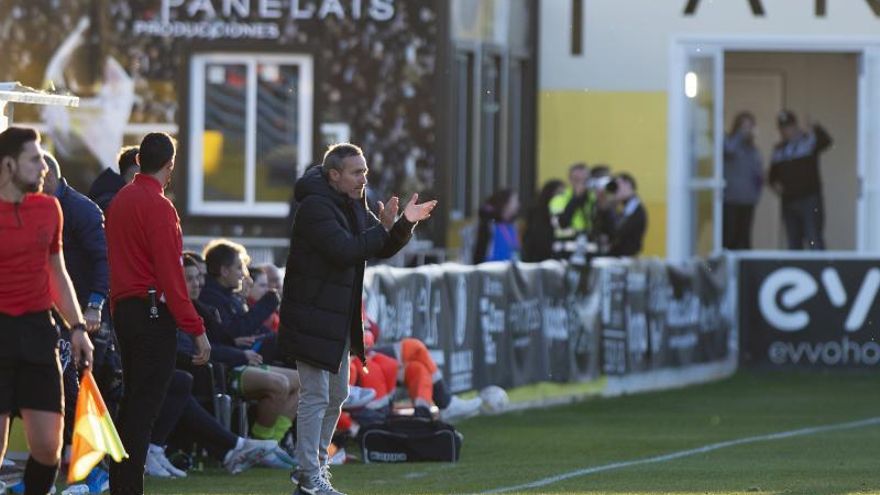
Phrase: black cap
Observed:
(785, 118)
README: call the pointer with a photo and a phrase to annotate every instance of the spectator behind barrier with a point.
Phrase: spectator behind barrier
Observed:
(497, 234)
(538, 236)
(627, 219)
(572, 211)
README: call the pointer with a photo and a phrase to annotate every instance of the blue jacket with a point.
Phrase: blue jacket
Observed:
(235, 319)
(105, 188)
(85, 246)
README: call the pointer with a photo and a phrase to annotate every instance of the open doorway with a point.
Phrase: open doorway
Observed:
(819, 88)
(832, 81)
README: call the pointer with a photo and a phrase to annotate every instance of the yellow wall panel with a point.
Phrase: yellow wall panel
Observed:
(626, 130)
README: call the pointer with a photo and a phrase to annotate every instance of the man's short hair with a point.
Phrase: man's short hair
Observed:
(191, 259)
(256, 271)
(156, 149)
(127, 159)
(599, 171)
(628, 178)
(52, 163)
(577, 166)
(196, 257)
(785, 118)
(335, 155)
(223, 252)
(13, 139)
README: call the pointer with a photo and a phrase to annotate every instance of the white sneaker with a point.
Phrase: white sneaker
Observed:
(251, 452)
(316, 484)
(358, 397)
(152, 467)
(159, 454)
(459, 409)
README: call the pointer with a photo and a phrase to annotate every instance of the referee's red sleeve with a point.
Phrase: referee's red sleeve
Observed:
(166, 244)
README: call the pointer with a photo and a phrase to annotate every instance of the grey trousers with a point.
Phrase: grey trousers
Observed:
(320, 403)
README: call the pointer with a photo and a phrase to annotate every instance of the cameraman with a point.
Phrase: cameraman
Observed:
(625, 220)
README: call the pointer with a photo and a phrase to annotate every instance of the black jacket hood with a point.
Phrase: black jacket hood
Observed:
(314, 183)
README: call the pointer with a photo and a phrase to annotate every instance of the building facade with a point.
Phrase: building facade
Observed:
(254, 91)
(612, 89)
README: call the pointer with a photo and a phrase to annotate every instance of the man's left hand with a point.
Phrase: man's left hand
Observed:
(417, 212)
(93, 319)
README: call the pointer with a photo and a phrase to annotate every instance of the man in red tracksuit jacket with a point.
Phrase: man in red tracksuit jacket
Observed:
(149, 302)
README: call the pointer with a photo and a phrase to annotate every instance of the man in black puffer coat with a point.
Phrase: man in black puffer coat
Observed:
(333, 236)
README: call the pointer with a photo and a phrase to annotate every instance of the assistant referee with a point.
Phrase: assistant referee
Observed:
(33, 280)
(149, 302)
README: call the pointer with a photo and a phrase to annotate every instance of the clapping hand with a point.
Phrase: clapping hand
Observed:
(417, 212)
(388, 212)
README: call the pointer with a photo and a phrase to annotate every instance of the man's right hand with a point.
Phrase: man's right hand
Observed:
(203, 350)
(254, 358)
(388, 212)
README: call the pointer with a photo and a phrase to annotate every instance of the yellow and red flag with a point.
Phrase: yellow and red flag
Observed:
(94, 435)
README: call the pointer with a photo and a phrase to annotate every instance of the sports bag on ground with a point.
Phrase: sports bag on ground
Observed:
(410, 439)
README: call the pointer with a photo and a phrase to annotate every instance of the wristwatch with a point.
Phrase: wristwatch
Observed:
(94, 305)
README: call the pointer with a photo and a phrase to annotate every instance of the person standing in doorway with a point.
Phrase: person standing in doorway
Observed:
(743, 178)
(149, 302)
(34, 281)
(334, 234)
(794, 175)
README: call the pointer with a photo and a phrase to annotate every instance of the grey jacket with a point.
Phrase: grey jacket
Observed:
(743, 171)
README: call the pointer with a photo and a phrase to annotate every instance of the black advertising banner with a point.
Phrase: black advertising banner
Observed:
(528, 356)
(659, 294)
(810, 313)
(583, 311)
(568, 346)
(493, 336)
(515, 324)
(681, 336)
(613, 287)
(638, 355)
(716, 318)
(459, 329)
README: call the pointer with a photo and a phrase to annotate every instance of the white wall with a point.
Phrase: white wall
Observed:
(626, 42)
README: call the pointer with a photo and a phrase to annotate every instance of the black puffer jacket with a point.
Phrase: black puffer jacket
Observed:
(332, 238)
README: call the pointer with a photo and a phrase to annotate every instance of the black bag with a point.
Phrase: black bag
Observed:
(410, 439)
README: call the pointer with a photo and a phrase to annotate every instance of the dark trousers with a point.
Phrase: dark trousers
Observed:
(148, 348)
(196, 424)
(804, 221)
(179, 393)
(737, 230)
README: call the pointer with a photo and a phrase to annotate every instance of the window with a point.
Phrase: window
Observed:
(250, 132)
(515, 136)
(462, 205)
(491, 126)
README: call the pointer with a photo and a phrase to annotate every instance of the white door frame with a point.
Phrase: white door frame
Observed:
(679, 215)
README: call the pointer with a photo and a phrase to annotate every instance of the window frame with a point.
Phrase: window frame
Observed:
(249, 207)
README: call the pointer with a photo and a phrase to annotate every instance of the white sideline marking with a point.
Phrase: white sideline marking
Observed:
(686, 453)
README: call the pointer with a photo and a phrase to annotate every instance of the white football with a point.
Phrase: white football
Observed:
(495, 399)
